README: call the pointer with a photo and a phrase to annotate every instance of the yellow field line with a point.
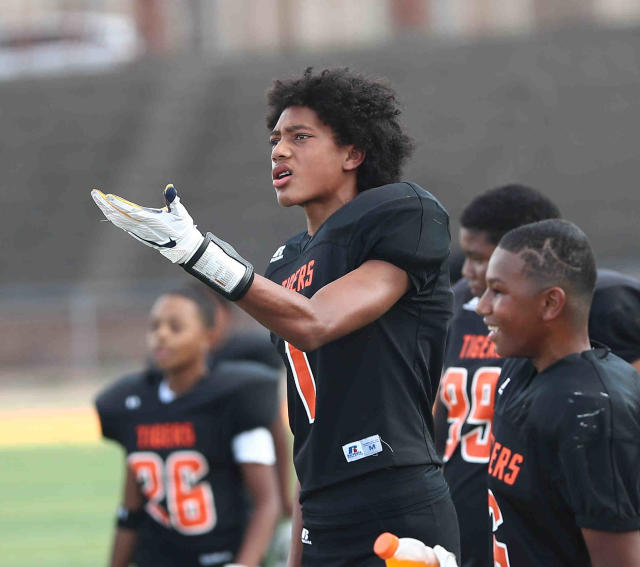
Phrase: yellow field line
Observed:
(44, 426)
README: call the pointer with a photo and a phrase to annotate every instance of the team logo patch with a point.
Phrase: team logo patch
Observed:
(357, 450)
(304, 536)
(132, 402)
(504, 385)
(471, 304)
(277, 255)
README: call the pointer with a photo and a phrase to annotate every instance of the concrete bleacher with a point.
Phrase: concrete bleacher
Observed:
(559, 111)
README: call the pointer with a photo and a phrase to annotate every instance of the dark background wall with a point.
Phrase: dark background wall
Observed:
(559, 111)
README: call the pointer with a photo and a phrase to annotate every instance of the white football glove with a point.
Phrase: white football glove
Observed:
(171, 231)
(445, 558)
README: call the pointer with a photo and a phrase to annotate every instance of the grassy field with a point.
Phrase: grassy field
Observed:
(60, 485)
(57, 504)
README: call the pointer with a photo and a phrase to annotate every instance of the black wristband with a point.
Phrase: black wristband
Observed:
(239, 290)
(129, 519)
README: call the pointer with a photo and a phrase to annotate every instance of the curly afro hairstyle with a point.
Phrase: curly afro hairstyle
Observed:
(499, 210)
(360, 111)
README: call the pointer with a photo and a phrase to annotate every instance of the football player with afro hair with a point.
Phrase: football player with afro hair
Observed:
(359, 112)
(357, 304)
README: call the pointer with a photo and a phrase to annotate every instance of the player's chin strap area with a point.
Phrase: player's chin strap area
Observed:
(218, 265)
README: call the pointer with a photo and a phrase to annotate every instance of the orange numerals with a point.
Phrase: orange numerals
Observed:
(474, 445)
(190, 505)
(301, 278)
(500, 551)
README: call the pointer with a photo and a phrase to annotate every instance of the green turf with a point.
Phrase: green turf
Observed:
(57, 504)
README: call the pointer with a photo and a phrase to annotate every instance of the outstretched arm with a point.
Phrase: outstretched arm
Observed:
(341, 307)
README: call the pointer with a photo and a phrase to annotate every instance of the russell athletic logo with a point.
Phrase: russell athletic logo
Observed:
(366, 447)
(277, 255)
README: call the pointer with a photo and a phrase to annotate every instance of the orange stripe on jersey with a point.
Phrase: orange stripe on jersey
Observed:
(303, 378)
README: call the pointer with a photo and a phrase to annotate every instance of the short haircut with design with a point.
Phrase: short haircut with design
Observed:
(555, 252)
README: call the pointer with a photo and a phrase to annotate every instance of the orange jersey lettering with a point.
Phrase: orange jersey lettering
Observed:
(505, 463)
(477, 346)
(165, 435)
(301, 278)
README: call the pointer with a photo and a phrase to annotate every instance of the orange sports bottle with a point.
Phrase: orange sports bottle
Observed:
(404, 552)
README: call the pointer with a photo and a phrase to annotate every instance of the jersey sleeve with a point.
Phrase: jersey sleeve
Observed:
(255, 404)
(615, 320)
(110, 406)
(410, 232)
(254, 446)
(599, 465)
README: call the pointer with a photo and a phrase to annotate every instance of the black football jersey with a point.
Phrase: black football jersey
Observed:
(464, 406)
(615, 314)
(363, 402)
(463, 413)
(181, 452)
(565, 456)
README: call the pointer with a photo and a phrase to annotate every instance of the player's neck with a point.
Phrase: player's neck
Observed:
(181, 380)
(319, 210)
(561, 343)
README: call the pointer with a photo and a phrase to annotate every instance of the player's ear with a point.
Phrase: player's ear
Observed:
(553, 302)
(353, 158)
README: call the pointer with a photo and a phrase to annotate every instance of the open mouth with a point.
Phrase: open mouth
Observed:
(281, 171)
(281, 175)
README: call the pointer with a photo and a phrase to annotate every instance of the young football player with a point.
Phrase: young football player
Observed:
(196, 444)
(565, 458)
(358, 305)
(464, 406)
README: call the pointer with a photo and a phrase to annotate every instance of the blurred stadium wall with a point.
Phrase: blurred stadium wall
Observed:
(129, 95)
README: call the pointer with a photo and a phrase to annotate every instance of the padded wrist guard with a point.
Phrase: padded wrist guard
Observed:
(218, 265)
(129, 519)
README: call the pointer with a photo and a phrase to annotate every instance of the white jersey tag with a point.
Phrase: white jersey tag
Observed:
(357, 450)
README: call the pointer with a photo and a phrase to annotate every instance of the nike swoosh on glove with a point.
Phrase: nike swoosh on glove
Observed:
(170, 230)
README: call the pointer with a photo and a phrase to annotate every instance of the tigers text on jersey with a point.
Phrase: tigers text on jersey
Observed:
(566, 455)
(362, 403)
(181, 452)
